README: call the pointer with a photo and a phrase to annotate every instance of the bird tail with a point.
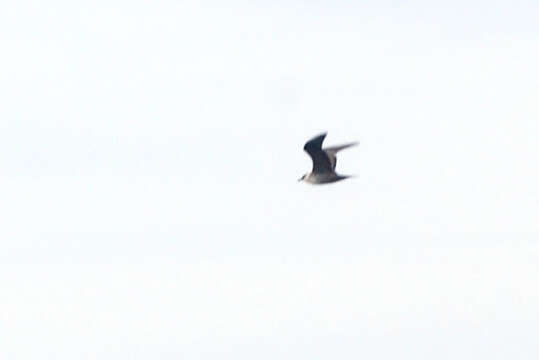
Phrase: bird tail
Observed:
(343, 177)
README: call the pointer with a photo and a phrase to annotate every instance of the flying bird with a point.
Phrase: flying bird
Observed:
(324, 161)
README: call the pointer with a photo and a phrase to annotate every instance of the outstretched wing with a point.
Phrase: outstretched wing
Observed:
(321, 161)
(332, 152)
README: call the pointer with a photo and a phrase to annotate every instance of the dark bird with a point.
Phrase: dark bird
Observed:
(324, 161)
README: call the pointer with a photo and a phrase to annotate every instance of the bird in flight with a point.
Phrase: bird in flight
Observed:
(324, 161)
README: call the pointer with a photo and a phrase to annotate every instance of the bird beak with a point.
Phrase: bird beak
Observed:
(300, 179)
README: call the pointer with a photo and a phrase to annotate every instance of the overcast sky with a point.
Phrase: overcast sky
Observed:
(149, 152)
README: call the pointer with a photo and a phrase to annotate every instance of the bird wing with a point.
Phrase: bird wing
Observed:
(321, 160)
(332, 152)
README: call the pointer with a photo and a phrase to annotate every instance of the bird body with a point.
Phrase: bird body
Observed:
(324, 161)
(314, 178)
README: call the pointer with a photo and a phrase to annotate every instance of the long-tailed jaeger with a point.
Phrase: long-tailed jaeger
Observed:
(324, 161)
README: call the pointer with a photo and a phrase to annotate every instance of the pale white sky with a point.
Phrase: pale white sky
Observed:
(149, 152)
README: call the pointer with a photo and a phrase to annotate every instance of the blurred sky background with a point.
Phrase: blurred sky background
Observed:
(149, 152)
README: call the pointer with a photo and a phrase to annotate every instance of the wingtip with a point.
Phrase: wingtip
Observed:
(323, 133)
(315, 141)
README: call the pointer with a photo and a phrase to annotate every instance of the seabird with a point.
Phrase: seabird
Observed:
(324, 161)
